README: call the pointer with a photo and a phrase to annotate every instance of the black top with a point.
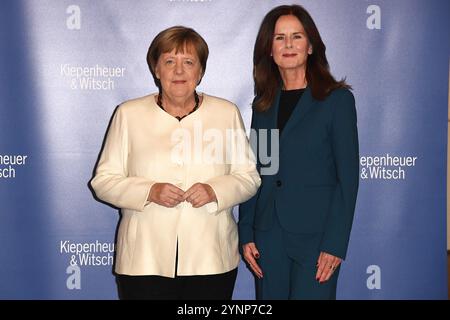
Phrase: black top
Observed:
(288, 101)
(197, 101)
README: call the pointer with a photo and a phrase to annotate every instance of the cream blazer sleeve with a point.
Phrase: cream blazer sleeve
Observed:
(243, 180)
(111, 182)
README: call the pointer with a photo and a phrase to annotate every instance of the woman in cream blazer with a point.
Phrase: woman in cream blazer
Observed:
(176, 163)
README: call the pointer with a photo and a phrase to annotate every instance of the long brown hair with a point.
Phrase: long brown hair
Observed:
(265, 72)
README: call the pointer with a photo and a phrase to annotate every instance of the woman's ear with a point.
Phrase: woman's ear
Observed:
(200, 76)
(156, 71)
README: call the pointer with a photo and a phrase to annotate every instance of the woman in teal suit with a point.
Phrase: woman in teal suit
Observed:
(294, 232)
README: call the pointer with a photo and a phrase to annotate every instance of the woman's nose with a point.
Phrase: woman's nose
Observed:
(179, 68)
(288, 42)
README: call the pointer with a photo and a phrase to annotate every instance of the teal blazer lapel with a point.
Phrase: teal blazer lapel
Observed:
(301, 110)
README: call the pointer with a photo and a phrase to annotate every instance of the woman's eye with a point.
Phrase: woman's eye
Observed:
(279, 38)
(189, 62)
(169, 62)
(297, 36)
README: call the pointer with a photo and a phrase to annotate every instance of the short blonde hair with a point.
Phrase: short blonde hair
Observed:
(179, 38)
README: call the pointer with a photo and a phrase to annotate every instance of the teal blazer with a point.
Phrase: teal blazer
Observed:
(315, 188)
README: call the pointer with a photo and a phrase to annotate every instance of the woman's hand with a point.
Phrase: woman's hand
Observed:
(166, 194)
(251, 253)
(326, 264)
(200, 194)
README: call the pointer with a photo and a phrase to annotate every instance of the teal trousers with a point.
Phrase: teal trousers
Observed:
(288, 262)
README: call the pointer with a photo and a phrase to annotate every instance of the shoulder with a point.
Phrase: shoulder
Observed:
(137, 105)
(220, 105)
(218, 102)
(341, 95)
(342, 103)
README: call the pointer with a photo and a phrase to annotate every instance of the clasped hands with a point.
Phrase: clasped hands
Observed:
(169, 195)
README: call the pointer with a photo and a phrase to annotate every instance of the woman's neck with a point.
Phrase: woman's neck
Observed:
(293, 78)
(178, 104)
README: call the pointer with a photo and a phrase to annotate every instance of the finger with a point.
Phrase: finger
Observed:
(328, 269)
(254, 251)
(335, 262)
(199, 202)
(250, 253)
(175, 196)
(202, 199)
(256, 270)
(320, 269)
(334, 265)
(321, 264)
(330, 264)
(253, 265)
(194, 197)
(170, 197)
(176, 190)
(189, 192)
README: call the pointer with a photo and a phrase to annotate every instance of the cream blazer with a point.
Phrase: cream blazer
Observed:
(145, 145)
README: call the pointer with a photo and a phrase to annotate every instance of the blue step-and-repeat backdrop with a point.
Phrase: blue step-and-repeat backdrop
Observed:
(66, 64)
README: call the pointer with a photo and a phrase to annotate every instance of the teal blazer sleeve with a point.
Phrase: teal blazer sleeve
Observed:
(247, 209)
(344, 142)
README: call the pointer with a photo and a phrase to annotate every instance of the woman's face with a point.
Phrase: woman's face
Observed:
(179, 73)
(290, 45)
